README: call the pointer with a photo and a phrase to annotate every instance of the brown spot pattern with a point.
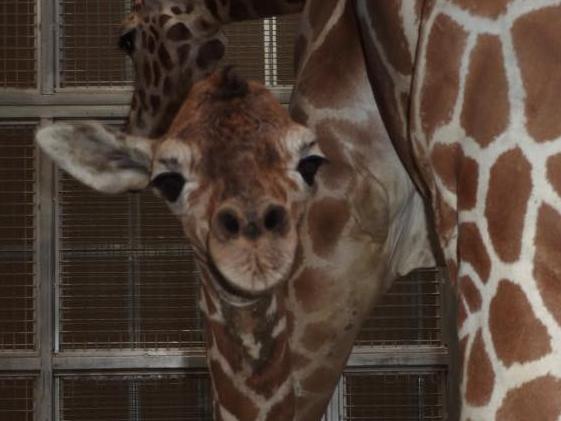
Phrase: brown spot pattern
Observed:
(554, 172)
(486, 108)
(539, 399)
(311, 290)
(157, 73)
(326, 220)
(536, 42)
(209, 53)
(164, 57)
(319, 380)
(480, 374)
(387, 22)
(510, 186)
(446, 219)
(469, 181)
(491, 9)
(316, 334)
(446, 44)
(183, 53)
(470, 293)
(472, 250)
(229, 396)
(518, 336)
(547, 260)
(320, 15)
(444, 159)
(178, 32)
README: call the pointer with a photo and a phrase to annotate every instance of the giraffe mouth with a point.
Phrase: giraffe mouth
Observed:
(249, 272)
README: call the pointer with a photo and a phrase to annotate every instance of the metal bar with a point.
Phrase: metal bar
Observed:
(398, 356)
(46, 34)
(20, 364)
(64, 362)
(45, 276)
(91, 97)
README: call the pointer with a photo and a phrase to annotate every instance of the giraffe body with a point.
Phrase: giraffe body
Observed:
(479, 78)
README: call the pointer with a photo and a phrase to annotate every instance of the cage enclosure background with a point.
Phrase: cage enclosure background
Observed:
(408, 314)
(88, 53)
(18, 44)
(160, 397)
(17, 236)
(399, 396)
(128, 277)
(17, 398)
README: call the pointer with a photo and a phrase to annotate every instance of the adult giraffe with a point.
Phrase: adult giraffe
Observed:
(467, 90)
(277, 344)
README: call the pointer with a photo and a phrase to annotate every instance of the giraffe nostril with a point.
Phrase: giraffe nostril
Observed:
(275, 218)
(228, 222)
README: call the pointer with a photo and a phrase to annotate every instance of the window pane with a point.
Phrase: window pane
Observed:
(145, 397)
(88, 34)
(16, 398)
(17, 44)
(408, 314)
(128, 276)
(245, 48)
(387, 396)
(17, 234)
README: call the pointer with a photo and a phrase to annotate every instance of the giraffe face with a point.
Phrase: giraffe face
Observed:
(172, 44)
(238, 172)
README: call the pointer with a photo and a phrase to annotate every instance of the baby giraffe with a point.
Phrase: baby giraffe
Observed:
(293, 248)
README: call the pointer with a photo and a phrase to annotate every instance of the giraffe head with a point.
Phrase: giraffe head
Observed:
(172, 44)
(233, 167)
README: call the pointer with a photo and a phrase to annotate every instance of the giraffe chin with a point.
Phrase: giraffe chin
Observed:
(248, 276)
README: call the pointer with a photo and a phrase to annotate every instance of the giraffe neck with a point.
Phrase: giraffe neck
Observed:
(249, 354)
(487, 143)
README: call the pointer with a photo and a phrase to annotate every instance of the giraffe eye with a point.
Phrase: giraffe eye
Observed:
(169, 184)
(308, 167)
(126, 41)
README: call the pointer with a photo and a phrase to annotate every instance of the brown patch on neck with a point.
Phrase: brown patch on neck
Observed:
(471, 249)
(480, 374)
(387, 22)
(536, 42)
(510, 186)
(518, 335)
(547, 260)
(486, 108)
(229, 396)
(490, 9)
(326, 220)
(539, 399)
(440, 89)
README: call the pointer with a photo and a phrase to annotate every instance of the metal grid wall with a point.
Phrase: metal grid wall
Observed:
(128, 278)
(136, 397)
(18, 46)
(88, 55)
(399, 396)
(17, 398)
(408, 314)
(17, 236)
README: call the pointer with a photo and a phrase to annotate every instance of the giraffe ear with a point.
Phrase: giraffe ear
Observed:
(100, 157)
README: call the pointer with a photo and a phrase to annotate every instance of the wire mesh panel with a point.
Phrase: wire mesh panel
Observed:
(127, 275)
(398, 396)
(286, 28)
(245, 48)
(17, 234)
(88, 53)
(408, 314)
(16, 398)
(139, 397)
(18, 50)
